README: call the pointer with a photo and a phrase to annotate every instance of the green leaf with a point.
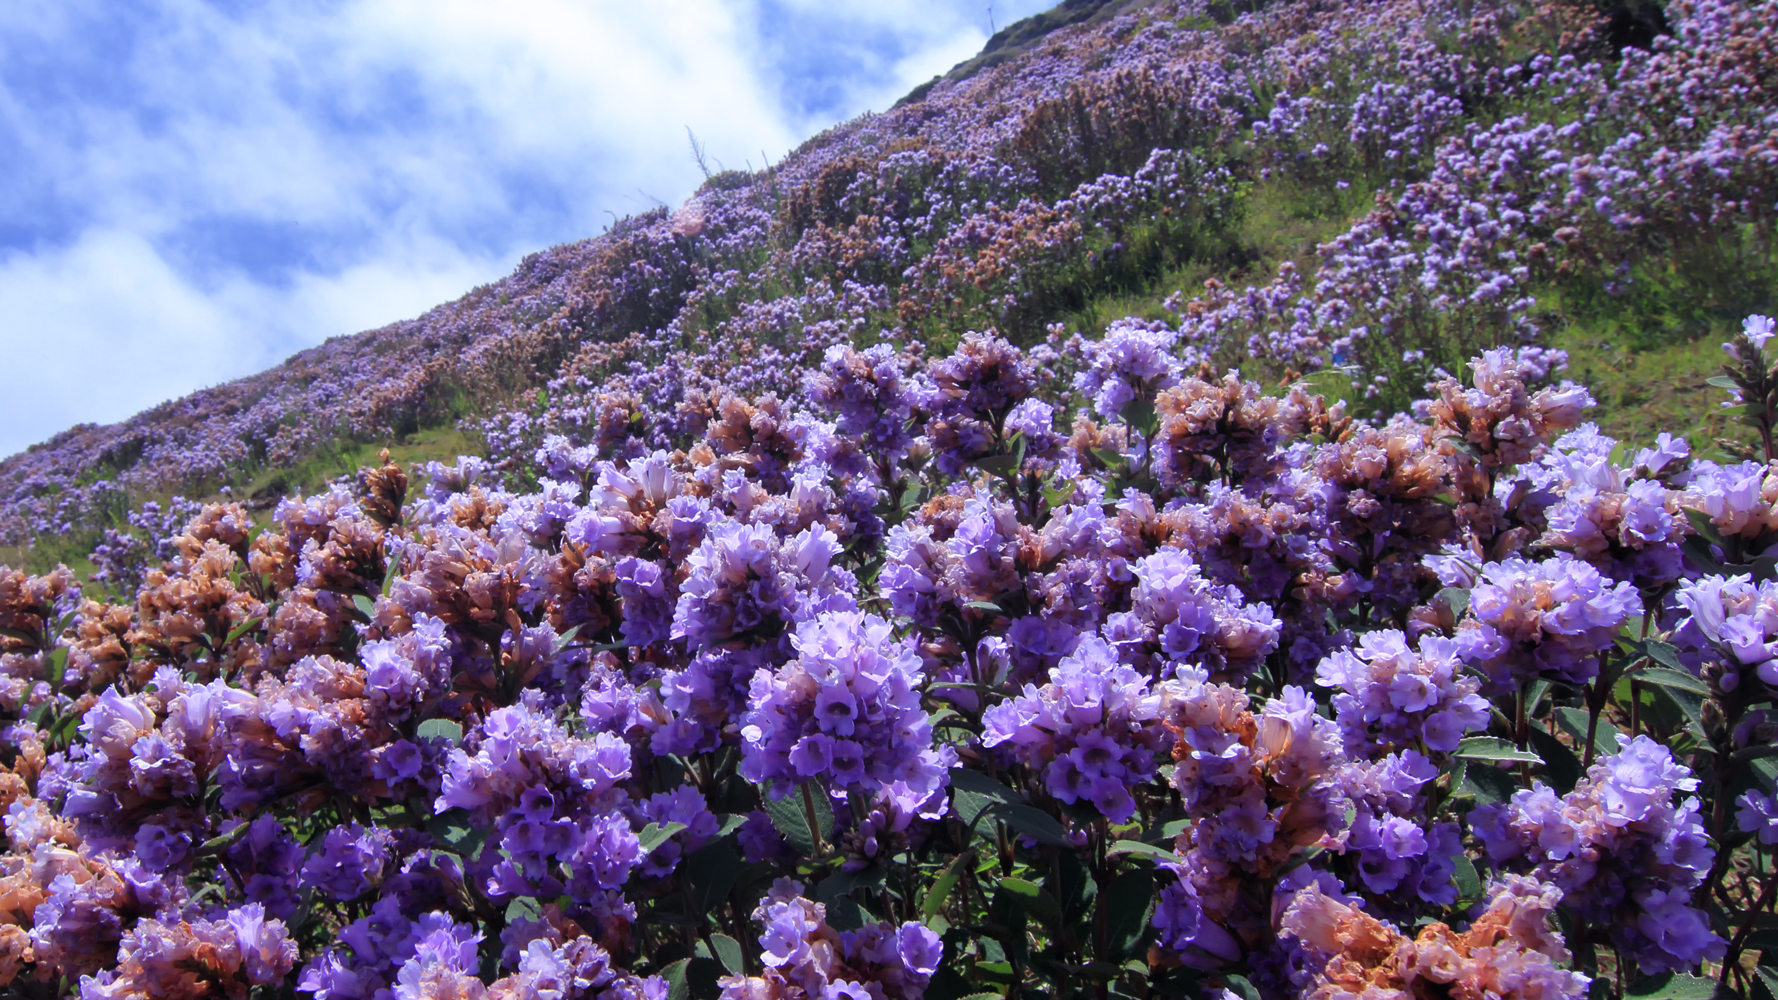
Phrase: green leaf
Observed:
(998, 465)
(1672, 986)
(986, 606)
(947, 881)
(677, 987)
(365, 606)
(974, 797)
(728, 951)
(1768, 978)
(1108, 458)
(655, 834)
(453, 829)
(567, 637)
(1034, 823)
(523, 908)
(1494, 748)
(1128, 901)
(708, 874)
(1574, 722)
(242, 629)
(58, 668)
(1469, 883)
(1662, 653)
(1722, 382)
(445, 729)
(1138, 847)
(1704, 525)
(1031, 896)
(1057, 496)
(1140, 414)
(910, 498)
(1668, 678)
(389, 576)
(1457, 598)
(731, 823)
(1562, 769)
(790, 814)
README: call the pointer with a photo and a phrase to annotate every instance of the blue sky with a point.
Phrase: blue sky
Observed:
(193, 191)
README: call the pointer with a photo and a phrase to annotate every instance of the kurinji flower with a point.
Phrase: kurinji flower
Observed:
(800, 952)
(1758, 815)
(1738, 620)
(1394, 697)
(1193, 620)
(846, 708)
(1133, 360)
(1507, 952)
(1092, 731)
(1623, 853)
(1553, 617)
(745, 579)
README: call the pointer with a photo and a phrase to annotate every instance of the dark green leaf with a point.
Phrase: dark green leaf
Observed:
(655, 834)
(1722, 382)
(1031, 896)
(1140, 414)
(1704, 525)
(728, 951)
(998, 465)
(709, 873)
(1562, 769)
(567, 637)
(941, 889)
(985, 606)
(58, 668)
(1128, 901)
(444, 729)
(790, 814)
(1672, 986)
(1034, 823)
(1137, 847)
(1768, 978)
(1668, 678)
(1662, 653)
(677, 987)
(1494, 748)
(453, 829)
(844, 914)
(1574, 722)
(974, 796)
(1486, 783)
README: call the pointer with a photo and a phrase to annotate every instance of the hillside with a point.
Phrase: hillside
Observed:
(1204, 501)
(1024, 190)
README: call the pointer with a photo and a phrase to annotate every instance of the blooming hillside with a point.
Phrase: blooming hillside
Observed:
(1116, 524)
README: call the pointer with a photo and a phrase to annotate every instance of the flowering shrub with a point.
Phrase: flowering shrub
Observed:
(759, 661)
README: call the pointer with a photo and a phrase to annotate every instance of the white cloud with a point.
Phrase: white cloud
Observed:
(194, 191)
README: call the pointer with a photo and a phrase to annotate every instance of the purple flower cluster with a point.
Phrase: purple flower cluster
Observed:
(1394, 697)
(1551, 618)
(1623, 853)
(1093, 731)
(802, 955)
(847, 709)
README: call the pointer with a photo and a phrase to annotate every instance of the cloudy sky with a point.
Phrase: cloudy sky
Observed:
(193, 191)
